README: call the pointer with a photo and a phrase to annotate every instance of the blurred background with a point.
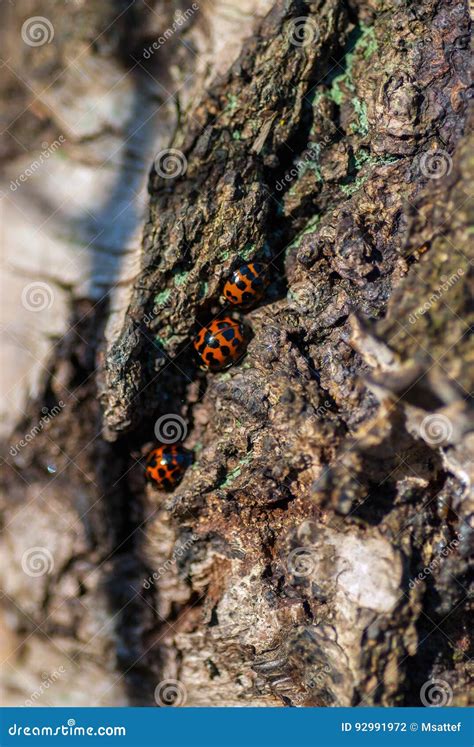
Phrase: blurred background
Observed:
(91, 91)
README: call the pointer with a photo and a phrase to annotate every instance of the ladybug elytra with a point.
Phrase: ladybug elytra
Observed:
(166, 465)
(246, 285)
(221, 343)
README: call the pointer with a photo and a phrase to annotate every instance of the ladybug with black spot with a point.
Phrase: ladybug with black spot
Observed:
(166, 465)
(246, 285)
(221, 343)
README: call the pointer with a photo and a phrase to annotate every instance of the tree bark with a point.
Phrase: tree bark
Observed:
(317, 551)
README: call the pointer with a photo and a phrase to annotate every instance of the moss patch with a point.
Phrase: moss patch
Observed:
(233, 101)
(180, 278)
(237, 470)
(360, 159)
(361, 41)
(248, 251)
(310, 226)
(161, 298)
(360, 108)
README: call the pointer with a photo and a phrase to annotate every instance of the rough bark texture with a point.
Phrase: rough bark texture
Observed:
(332, 464)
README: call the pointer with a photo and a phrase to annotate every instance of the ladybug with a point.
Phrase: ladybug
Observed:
(166, 465)
(221, 343)
(246, 285)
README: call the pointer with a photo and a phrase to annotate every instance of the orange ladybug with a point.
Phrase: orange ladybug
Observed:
(246, 285)
(221, 343)
(166, 465)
